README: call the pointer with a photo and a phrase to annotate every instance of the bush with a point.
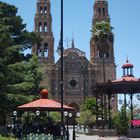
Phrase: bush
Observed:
(6, 138)
(121, 122)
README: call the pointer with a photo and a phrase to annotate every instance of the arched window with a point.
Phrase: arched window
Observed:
(45, 10)
(45, 49)
(41, 11)
(103, 9)
(45, 27)
(40, 27)
(99, 54)
(39, 52)
(99, 11)
(107, 55)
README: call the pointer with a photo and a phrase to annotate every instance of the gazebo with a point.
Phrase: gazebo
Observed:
(127, 84)
(44, 104)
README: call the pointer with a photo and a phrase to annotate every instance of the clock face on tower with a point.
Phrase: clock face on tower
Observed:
(73, 83)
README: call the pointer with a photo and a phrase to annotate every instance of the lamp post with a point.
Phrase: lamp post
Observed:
(131, 108)
(61, 83)
(37, 114)
(67, 115)
(138, 97)
(77, 115)
(98, 105)
(14, 114)
(109, 108)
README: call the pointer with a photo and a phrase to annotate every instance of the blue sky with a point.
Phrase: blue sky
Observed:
(125, 19)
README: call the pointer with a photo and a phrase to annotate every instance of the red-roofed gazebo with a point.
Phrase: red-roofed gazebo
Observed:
(44, 104)
(127, 84)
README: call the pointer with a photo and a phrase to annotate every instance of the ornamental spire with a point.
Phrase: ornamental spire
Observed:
(72, 44)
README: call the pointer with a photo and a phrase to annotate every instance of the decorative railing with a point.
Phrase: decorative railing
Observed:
(39, 137)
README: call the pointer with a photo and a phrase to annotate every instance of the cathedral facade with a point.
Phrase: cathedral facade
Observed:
(80, 75)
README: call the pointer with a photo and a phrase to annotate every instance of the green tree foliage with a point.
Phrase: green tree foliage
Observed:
(90, 104)
(86, 118)
(20, 74)
(121, 122)
(55, 116)
(88, 112)
(6, 138)
(102, 33)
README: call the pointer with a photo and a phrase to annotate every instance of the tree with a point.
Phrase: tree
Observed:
(121, 122)
(86, 118)
(88, 112)
(90, 104)
(14, 39)
(102, 34)
(19, 73)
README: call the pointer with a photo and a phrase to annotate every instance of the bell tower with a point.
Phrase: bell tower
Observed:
(100, 11)
(102, 52)
(43, 26)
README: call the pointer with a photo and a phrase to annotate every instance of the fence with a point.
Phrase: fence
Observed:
(39, 137)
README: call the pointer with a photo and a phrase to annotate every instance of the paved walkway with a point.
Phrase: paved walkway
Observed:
(84, 137)
(96, 137)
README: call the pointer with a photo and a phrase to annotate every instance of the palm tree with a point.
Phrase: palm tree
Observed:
(102, 34)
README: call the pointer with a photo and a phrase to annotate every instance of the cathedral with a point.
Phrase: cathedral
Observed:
(80, 74)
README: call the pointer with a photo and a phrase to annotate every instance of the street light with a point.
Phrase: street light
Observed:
(138, 97)
(14, 114)
(67, 115)
(61, 83)
(74, 115)
(98, 101)
(37, 114)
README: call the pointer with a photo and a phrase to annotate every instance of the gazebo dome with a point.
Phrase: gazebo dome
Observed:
(127, 69)
(127, 65)
(44, 93)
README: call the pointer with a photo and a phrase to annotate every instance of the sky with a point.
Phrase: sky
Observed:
(125, 19)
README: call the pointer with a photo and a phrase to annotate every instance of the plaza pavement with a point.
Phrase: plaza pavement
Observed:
(84, 137)
(96, 137)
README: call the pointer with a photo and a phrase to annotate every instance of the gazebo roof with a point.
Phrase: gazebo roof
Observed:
(44, 104)
(126, 84)
(127, 64)
(122, 85)
(126, 79)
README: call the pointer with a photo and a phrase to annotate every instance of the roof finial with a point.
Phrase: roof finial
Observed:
(72, 43)
(127, 61)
